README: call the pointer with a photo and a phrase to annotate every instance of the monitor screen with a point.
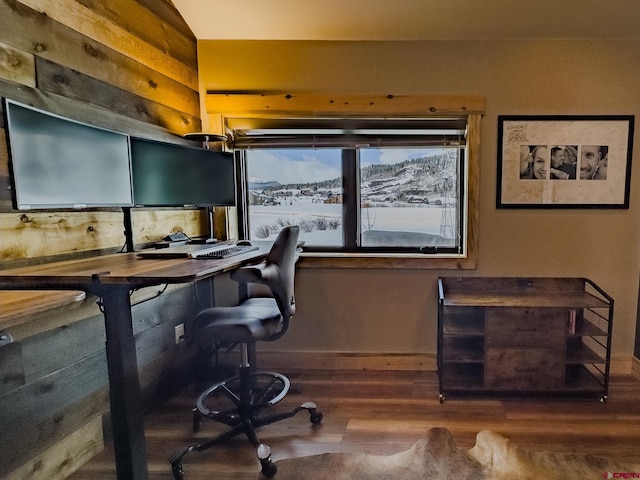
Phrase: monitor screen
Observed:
(57, 162)
(171, 175)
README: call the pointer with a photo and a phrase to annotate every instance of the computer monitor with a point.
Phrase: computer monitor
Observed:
(57, 162)
(174, 175)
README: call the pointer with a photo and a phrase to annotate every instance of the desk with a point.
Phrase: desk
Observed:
(112, 278)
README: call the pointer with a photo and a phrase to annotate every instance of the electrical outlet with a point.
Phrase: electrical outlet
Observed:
(179, 332)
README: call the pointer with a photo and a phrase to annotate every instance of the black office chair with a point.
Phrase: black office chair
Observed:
(239, 401)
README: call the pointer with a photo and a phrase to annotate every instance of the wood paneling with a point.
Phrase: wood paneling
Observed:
(157, 24)
(167, 13)
(124, 65)
(51, 351)
(19, 448)
(85, 113)
(25, 406)
(43, 233)
(11, 368)
(154, 327)
(17, 66)
(152, 225)
(66, 456)
(54, 78)
(98, 79)
(55, 381)
(247, 105)
(39, 234)
(90, 23)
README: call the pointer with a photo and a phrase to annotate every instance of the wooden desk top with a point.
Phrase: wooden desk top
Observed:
(15, 306)
(120, 269)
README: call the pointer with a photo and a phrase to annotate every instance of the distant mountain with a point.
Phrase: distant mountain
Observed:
(259, 184)
(420, 180)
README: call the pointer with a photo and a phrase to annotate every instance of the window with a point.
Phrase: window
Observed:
(349, 124)
(365, 186)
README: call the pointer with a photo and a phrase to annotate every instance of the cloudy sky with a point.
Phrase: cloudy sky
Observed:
(304, 166)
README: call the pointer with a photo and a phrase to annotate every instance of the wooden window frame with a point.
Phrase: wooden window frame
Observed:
(222, 106)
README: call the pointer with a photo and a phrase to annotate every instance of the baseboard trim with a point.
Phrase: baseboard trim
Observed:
(620, 365)
(635, 367)
(345, 361)
(307, 360)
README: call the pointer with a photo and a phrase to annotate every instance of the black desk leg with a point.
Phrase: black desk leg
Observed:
(127, 416)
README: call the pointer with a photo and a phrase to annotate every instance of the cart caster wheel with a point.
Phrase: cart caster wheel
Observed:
(603, 399)
(441, 398)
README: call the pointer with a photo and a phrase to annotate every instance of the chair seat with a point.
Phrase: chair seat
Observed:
(256, 319)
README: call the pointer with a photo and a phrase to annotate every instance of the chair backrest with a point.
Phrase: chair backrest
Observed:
(277, 271)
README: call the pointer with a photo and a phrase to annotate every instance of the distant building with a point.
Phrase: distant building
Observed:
(334, 198)
(260, 199)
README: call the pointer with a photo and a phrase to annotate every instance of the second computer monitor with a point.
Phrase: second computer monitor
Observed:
(172, 175)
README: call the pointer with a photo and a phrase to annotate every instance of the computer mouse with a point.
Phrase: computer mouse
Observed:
(243, 243)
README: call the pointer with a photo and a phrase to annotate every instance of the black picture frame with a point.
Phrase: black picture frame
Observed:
(564, 161)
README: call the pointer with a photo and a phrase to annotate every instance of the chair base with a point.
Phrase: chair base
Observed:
(238, 403)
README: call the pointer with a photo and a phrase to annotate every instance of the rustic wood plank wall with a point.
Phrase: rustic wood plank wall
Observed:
(128, 66)
(124, 65)
(55, 382)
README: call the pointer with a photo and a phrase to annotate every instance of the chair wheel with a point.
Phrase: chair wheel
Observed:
(316, 417)
(269, 469)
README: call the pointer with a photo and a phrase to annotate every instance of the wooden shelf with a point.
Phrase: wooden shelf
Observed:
(460, 328)
(502, 299)
(585, 328)
(463, 350)
(582, 380)
(500, 334)
(581, 353)
(463, 377)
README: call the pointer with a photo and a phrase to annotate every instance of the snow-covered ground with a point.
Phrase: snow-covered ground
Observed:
(418, 218)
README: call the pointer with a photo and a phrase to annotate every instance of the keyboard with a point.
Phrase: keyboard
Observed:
(223, 252)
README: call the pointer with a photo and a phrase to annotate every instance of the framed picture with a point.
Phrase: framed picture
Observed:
(564, 161)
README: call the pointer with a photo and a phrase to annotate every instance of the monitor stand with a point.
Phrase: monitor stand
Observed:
(211, 238)
(128, 229)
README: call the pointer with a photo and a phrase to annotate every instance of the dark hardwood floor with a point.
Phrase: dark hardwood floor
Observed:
(385, 412)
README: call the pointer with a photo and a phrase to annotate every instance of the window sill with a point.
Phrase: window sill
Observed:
(390, 261)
